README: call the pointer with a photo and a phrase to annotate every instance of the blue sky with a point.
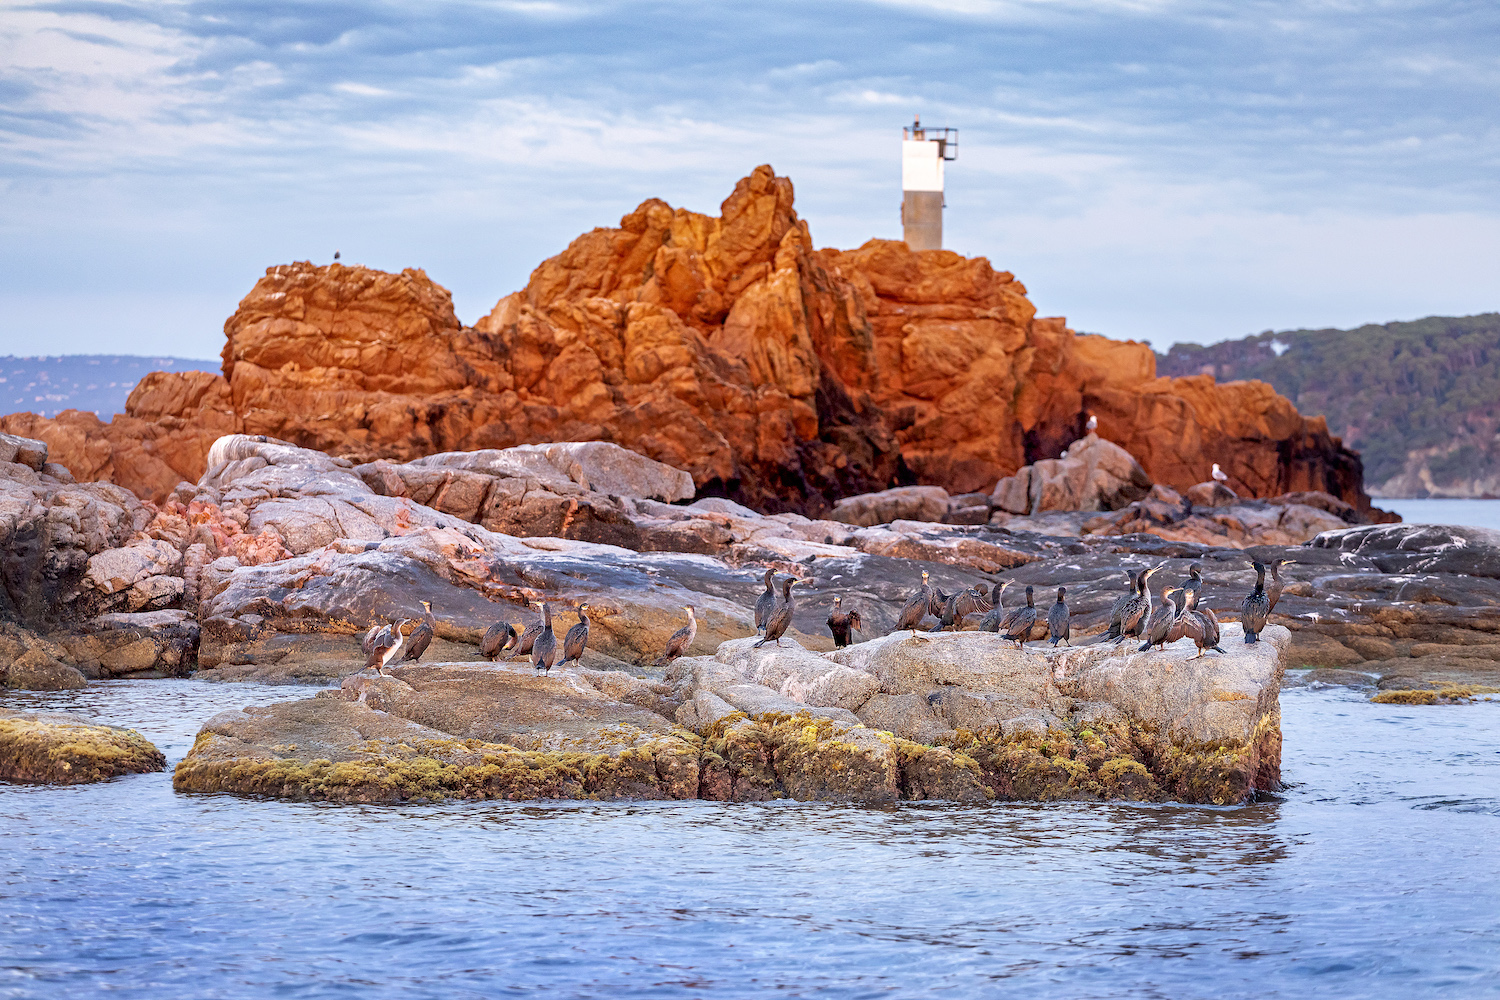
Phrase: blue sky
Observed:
(1171, 171)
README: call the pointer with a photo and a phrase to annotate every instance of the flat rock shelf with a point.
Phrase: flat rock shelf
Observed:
(955, 716)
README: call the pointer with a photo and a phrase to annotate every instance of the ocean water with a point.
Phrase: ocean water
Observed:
(1473, 513)
(1374, 875)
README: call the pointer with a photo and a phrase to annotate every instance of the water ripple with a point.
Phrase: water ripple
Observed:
(1373, 874)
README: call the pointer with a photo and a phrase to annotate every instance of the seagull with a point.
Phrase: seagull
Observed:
(1092, 425)
(1219, 476)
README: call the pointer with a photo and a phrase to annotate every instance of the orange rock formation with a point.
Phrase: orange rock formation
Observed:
(776, 374)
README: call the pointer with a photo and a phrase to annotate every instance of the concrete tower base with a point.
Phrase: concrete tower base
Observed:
(922, 218)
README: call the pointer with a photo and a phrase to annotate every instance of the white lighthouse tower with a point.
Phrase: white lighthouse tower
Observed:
(923, 152)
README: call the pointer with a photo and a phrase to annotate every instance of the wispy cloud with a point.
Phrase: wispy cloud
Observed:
(189, 144)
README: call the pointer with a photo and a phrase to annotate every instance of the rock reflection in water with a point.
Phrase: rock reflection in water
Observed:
(1373, 875)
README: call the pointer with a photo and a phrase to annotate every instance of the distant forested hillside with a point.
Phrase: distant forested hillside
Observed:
(99, 382)
(1420, 401)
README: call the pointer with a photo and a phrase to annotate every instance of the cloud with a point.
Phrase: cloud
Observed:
(190, 144)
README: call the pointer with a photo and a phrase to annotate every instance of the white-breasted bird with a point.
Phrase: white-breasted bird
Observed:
(1092, 425)
(1219, 476)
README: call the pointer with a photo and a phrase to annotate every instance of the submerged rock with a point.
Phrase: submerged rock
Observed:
(57, 748)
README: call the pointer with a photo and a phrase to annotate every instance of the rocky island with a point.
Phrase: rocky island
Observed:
(669, 410)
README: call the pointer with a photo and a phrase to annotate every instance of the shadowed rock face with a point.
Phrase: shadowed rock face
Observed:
(778, 375)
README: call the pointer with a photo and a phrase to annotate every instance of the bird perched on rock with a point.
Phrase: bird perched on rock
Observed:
(577, 638)
(968, 602)
(766, 602)
(1117, 609)
(915, 608)
(369, 640)
(1092, 425)
(385, 647)
(1158, 627)
(1133, 616)
(1058, 627)
(937, 602)
(781, 618)
(1017, 625)
(544, 649)
(1257, 606)
(1218, 474)
(527, 639)
(421, 636)
(1194, 583)
(960, 605)
(681, 639)
(1203, 626)
(1273, 591)
(497, 639)
(997, 613)
(841, 621)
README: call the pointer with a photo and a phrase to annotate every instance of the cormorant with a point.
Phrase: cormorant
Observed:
(1017, 624)
(781, 618)
(421, 636)
(387, 644)
(544, 649)
(960, 605)
(1157, 631)
(969, 602)
(497, 639)
(1057, 619)
(1257, 606)
(1118, 607)
(766, 602)
(996, 614)
(841, 621)
(1133, 616)
(528, 639)
(681, 639)
(936, 602)
(369, 640)
(1194, 582)
(1273, 592)
(915, 608)
(577, 638)
(1206, 634)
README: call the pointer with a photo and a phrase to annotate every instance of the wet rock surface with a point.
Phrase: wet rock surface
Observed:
(58, 748)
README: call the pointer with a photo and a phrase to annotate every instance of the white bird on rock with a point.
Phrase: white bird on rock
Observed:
(1219, 476)
(1092, 425)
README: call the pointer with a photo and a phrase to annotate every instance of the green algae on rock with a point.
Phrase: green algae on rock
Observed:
(1091, 723)
(1433, 696)
(56, 748)
(331, 750)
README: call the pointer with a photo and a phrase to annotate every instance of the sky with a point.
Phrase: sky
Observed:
(1156, 170)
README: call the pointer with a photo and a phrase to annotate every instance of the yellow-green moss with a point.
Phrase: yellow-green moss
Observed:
(1128, 761)
(448, 768)
(1444, 696)
(55, 753)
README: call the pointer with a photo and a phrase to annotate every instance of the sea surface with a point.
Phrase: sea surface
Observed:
(1473, 513)
(1374, 875)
